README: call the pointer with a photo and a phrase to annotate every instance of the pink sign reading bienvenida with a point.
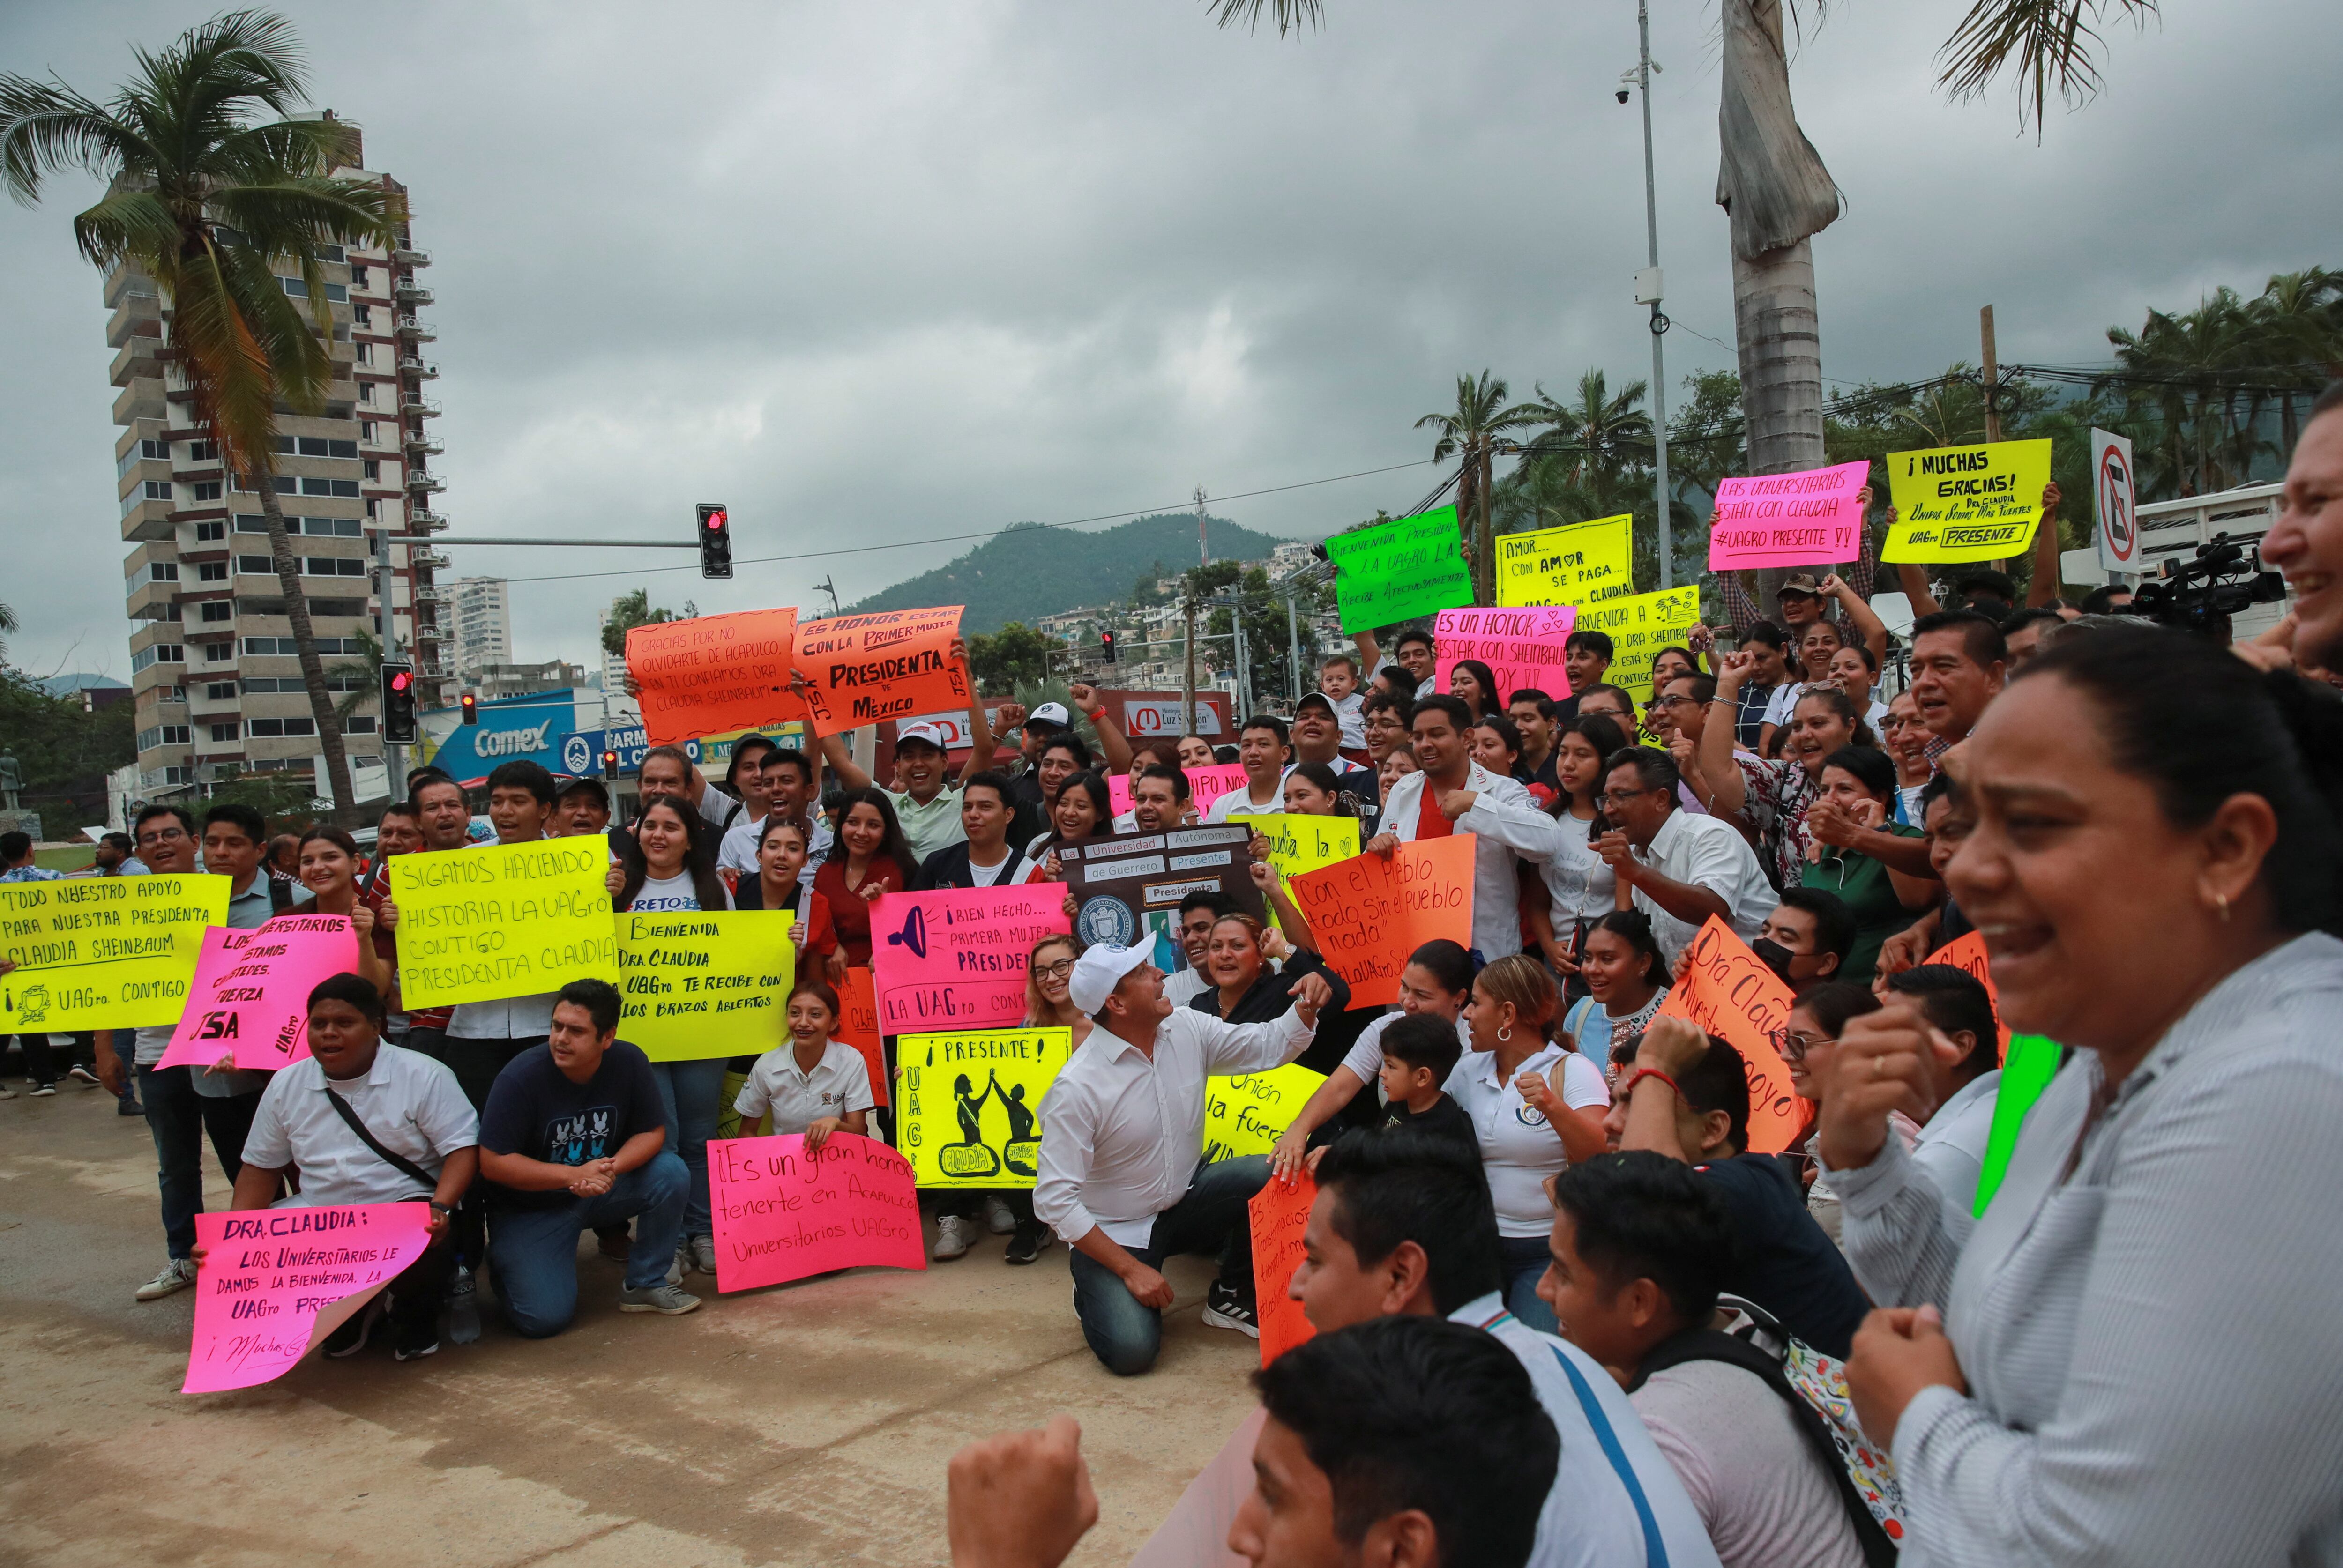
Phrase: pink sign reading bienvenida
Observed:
(782, 1213)
(276, 1282)
(1523, 647)
(1804, 519)
(250, 996)
(1205, 785)
(955, 958)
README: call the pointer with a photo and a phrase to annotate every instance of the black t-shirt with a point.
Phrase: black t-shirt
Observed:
(1786, 1263)
(535, 1111)
(1444, 1119)
(1027, 818)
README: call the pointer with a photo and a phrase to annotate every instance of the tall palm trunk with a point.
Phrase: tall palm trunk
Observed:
(1469, 511)
(1484, 554)
(1781, 368)
(305, 642)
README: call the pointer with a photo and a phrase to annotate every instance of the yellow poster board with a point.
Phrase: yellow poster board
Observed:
(1298, 843)
(103, 952)
(1578, 563)
(1977, 503)
(967, 1106)
(693, 985)
(1638, 628)
(495, 921)
(1246, 1115)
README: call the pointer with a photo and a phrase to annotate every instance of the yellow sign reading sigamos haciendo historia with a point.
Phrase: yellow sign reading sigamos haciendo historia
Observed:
(969, 1105)
(103, 952)
(502, 920)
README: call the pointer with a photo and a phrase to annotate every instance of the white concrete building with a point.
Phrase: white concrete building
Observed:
(480, 622)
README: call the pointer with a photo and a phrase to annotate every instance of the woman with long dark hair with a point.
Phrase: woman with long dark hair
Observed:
(1626, 980)
(869, 859)
(1080, 810)
(1475, 684)
(1856, 806)
(779, 885)
(327, 859)
(1581, 888)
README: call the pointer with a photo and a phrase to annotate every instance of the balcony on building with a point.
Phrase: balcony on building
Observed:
(148, 521)
(413, 403)
(417, 329)
(427, 593)
(423, 520)
(144, 398)
(405, 257)
(420, 483)
(417, 366)
(428, 445)
(429, 560)
(410, 291)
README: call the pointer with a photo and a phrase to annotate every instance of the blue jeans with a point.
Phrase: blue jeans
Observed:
(534, 1251)
(693, 1093)
(178, 1118)
(1526, 1258)
(1210, 1219)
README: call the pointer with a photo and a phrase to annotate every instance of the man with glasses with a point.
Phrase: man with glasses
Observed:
(1682, 868)
(1905, 737)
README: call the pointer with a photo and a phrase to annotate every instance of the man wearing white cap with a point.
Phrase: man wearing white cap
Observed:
(1122, 1133)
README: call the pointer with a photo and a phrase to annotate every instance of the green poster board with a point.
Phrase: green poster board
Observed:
(2026, 1070)
(1398, 570)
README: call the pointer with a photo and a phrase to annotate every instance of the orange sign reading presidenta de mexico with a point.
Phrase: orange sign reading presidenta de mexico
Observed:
(1729, 992)
(714, 675)
(863, 670)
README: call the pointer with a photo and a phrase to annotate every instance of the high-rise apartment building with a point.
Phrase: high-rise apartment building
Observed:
(479, 624)
(216, 682)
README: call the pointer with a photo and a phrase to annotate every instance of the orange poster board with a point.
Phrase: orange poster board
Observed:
(1731, 993)
(859, 1026)
(716, 675)
(1967, 954)
(862, 669)
(1279, 1215)
(1369, 913)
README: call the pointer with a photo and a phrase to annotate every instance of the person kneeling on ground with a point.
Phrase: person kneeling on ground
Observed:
(574, 1138)
(1122, 1140)
(364, 1121)
(1640, 1242)
(1405, 1441)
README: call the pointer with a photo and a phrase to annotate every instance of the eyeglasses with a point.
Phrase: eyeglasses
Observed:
(1057, 970)
(162, 836)
(1612, 799)
(1669, 702)
(1794, 1047)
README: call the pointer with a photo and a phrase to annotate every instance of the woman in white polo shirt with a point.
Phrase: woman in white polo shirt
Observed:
(1527, 1130)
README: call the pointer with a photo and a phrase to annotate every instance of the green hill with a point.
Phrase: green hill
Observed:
(1031, 570)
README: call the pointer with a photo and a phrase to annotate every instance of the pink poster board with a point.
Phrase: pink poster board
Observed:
(1523, 647)
(251, 991)
(276, 1282)
(955, 959)
(782, 1214)
(1205, 785)
(1804, 519)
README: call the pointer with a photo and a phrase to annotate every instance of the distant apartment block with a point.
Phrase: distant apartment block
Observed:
(480, 621)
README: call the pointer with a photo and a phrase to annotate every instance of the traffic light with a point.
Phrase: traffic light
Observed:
(471, 708)
(398, 702)
(1106, 647)
(610, 765)
(715, 539)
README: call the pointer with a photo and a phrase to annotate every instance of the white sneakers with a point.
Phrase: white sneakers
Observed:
(954, 1237)
(996, 1217)
(176, 1275)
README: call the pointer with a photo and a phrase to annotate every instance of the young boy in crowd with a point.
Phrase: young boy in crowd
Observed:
(1420, 1051)
(1338, 682)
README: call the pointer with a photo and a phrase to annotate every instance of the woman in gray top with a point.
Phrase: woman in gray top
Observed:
(2136, 1354)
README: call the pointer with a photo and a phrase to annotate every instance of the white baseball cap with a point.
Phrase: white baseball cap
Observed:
(927, 734)
(1100, 970)
(1051, 713)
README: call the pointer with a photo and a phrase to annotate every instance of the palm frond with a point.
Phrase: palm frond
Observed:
(130, 223)
(45, 126)
(2049, 46)
(1291, 14)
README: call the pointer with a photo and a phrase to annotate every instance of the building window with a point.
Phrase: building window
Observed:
(218, 609)
(295, 287)
(207, 491)
(211, 571)
(216, 529)
(255, 566)
(365, 312)
(373, 469)
(334, 567)
(223, 731)
(202, 452)
(158, 653)
(374, 511)
(219, 652)
(366, 391)
(365, 432)
(332, 527)
(358, 724)
(163, 735)
(347, 489)
(281, 726)
(220, 691)
(154, 571)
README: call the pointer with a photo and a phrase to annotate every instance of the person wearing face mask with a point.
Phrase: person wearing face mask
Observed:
(1852, 815)
(1805, 1044)
(1806, 940)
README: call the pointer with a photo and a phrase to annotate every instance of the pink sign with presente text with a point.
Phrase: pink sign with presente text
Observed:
(782, 1214)
(1523, 648)
(1804, 520)
(276, 1282)
(955, 958)
(250, 996)
(1205, 785)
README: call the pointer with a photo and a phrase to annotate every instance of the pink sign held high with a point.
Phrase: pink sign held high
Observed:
(782, 1213)
(276, 1282)
(1523, 647)
(1804, 519)
(250, 996)
(955, 958)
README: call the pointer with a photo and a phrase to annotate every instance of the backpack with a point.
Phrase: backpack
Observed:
(1813, 1387)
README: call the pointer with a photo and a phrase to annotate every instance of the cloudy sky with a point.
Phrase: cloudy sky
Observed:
(877, 274)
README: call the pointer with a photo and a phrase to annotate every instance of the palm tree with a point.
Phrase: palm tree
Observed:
(1600, 434)
(2299, 321)
(1470, 434)
(365, 671)
(206, 198)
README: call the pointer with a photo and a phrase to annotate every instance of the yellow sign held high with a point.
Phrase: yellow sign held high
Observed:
(1578, 563)
(1977, 503)
(1247, 1114)
(103, 952)
(1638, 628)
(1298, 843)
(696, 985)
(969, 1106)
(502, 920)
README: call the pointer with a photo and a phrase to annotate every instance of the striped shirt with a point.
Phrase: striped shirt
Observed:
(2153, 1345)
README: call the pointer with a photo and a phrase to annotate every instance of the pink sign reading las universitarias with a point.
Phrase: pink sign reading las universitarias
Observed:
(955, 959)
(276, 1282)
(1205, 785)
(1523, 647)
(782, 1214)
(1802, 519)
(250, 995)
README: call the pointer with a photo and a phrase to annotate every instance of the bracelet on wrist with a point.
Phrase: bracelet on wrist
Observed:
(1642, 1073)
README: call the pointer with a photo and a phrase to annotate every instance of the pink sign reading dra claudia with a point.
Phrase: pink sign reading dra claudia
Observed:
(955, 958)
(250, 995)
(276, 1282)
(782, 1213)
(1523, 647)
(1205, 785)
(1802, 519)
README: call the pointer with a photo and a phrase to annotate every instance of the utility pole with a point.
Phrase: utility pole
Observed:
(1650, 293)
(1292, 650)
(394, 761)
(1203, 551)
(825, 587)
(1992, 386)
(1188, 684)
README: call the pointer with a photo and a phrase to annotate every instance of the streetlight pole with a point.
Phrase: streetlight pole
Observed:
(1648, 291)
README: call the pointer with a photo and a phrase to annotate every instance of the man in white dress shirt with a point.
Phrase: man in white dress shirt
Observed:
(1122, 1132)
(1683, 867)
(1417, 809)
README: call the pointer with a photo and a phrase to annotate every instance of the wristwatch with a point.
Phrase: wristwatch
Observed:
(442, 1210)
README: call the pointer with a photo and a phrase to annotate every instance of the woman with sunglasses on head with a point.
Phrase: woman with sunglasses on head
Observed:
(328, 862)
(2130, 1356)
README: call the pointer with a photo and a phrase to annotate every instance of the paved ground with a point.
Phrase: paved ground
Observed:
(800, 1424)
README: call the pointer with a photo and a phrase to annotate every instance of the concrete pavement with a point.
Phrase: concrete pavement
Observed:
(799, 1424)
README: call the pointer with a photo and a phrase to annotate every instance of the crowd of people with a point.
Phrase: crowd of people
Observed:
(1564, 1312)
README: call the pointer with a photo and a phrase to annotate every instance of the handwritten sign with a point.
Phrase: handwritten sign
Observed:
(782, 1213)
(861, 669)
(859, 1027)
(1805, 518)
(496, 920)
(1299, 844)
(714, 674)
(1205, 785)
(1128, 883)
(1370, 913)
(969, 1106)
(1400, 569)
(1249, 1113)
(1521, 648)
(1729, 992)
(955, 958)
(251, 994)
(1279, 1214)
(697, 984)
(103, 952)
(1577, 563)
(276, 1282)
(1974, 503)
(1639, 628)
(1968, 954)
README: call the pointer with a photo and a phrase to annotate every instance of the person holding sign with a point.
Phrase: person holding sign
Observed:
(927, 805)
(1123, 1137)
(329, 860)
(871, 861)
(1420, 806)
(361, 1121)
(1244, 989)
(814, 1085)
(780, 884)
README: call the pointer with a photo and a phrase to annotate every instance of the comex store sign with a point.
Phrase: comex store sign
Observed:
(511, 743)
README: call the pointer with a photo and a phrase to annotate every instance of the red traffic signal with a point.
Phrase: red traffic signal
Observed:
(715, 539)
(1106, 647)
(471, 705)
(398, 696)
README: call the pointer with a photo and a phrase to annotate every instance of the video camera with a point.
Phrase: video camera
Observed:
(2202, 595)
